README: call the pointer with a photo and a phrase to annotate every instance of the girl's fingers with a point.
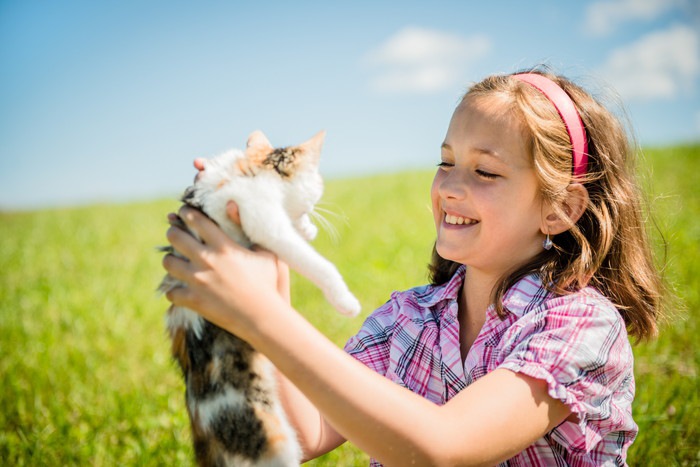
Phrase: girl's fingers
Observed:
(183, 242)
(180, 296)
(210, 233)
(178, 268)
(282, 271)
(283, 283)
(233, 213)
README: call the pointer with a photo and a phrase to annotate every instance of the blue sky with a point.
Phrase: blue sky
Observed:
(106, 101)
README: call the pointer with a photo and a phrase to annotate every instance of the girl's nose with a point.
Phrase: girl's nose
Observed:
(454, 185)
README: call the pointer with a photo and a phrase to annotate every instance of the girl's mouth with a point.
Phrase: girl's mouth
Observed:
(458, 220)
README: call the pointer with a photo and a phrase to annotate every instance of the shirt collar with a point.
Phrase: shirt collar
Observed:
(432, 295)
(523, 296)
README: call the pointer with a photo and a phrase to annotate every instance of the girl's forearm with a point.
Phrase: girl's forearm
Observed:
(314, 433)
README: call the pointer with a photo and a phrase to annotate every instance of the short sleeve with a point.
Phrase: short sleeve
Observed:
(578, 344)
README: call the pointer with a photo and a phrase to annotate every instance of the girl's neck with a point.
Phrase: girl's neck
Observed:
(474, 299)
(477, 290)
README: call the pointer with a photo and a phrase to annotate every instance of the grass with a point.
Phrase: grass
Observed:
(86, 374)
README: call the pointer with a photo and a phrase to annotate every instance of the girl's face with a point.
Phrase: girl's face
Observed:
(485, 197)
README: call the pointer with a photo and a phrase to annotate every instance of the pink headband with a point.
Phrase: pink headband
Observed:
(567, 110)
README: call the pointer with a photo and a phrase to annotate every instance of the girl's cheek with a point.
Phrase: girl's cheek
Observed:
(435, 198)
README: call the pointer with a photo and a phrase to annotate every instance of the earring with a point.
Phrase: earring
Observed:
(547, 244)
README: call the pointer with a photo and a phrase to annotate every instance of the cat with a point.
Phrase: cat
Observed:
(235, 414)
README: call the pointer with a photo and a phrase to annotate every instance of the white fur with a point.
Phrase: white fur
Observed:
(205, 411)
(275, 215)
(180, 317)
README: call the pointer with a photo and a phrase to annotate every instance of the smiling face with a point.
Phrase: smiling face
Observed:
(485, 197)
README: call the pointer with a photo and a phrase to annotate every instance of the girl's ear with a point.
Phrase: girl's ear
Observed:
(573, 206)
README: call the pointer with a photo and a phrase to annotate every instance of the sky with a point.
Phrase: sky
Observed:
(110, 101)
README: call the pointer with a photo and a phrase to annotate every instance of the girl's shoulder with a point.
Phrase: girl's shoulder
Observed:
(587, 307)
(529, 299)
(583, 326)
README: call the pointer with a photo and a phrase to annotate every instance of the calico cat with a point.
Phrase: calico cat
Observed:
(235, 414)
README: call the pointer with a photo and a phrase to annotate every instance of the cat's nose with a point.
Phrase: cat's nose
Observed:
(199, 165)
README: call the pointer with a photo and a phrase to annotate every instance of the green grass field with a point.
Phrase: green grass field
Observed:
(86, 374)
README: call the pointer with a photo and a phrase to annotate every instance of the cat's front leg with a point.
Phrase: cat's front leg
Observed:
(306, 228)
(304, 259)
(283, 240)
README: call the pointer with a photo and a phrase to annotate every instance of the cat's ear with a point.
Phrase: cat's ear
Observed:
(258, 140)
(257, 149)
(312, 148)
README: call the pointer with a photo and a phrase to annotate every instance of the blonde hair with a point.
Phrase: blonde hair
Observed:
(608, 247)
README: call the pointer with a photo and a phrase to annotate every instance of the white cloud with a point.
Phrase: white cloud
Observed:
(424, 60)
(661, 64)
(603, 17)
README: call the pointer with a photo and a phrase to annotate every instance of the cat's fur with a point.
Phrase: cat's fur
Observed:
(236, 416)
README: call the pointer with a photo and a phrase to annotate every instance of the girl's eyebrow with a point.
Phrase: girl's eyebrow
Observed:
(492, 153)
(485, 151)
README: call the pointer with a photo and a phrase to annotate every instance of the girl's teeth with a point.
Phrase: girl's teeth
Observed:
(456, 220)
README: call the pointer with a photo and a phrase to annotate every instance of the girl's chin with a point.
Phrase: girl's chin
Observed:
(449, 254)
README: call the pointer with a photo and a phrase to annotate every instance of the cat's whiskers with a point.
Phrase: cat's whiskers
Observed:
(319, 214)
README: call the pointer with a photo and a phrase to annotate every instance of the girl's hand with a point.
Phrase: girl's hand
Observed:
(226, 283)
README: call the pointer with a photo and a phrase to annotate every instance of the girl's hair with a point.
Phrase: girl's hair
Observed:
(608, 247)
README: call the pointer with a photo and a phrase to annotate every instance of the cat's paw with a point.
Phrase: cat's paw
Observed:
(306, 228)
(346, 304)
(309, 231)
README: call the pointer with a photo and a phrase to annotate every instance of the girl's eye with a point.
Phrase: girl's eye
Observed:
(484, 174)
(444, 164)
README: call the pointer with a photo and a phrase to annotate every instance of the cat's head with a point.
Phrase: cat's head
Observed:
(288, 162)
(296, 167)
(290, 173)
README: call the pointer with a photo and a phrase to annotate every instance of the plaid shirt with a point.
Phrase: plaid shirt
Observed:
(576, 343)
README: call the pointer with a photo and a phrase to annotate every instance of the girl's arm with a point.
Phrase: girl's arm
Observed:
(315, 434)
(490, 421)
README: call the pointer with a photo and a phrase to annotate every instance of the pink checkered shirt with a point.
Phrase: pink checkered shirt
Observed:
(577, 343)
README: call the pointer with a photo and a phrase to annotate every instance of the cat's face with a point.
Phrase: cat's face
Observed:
(295, 166)
(286, 175)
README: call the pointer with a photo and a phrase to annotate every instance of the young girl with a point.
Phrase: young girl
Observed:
(518, 351)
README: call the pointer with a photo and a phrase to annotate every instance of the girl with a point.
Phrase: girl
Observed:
(518, 351)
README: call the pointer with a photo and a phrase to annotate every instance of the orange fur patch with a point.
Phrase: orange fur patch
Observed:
(256, 155)
(179, 349)
(246, 167)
